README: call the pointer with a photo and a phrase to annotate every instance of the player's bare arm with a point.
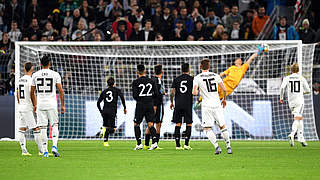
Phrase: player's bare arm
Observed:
(18, 96)
(61, 92)
(195, 90)
(171, 98)
(224, 90)
(33, 98)
(251, 58)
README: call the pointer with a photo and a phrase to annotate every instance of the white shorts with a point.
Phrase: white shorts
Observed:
(27, 120)
(297, 110)
(43, 116)
(212, 116)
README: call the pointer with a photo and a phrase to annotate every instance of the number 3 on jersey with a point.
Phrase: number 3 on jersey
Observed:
(109, 96)
(143, 87)
(211, 85)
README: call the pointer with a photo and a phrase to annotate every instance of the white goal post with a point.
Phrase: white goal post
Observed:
(253, 110)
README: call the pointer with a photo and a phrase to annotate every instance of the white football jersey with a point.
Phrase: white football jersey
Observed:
(45, 82)
(208, 83)
(24, 86)
(296, 86)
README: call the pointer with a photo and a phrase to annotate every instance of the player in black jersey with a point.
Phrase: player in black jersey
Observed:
(182, 93)
(109, 97)
(144, 91)
(158, 105)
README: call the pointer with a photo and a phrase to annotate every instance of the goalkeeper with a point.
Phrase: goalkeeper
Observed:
(235, 73)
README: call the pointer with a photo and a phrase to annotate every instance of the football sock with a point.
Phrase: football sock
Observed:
(44, 138)
(177, 135)
(108, 132)
(37, 139)
(22, 141)
(225, 135)
(300, 131)
(55, 135)
(137, 132)
(212, 137)
(188, 135)
(153, 134)
(295, 125)
(158, 137)
(147, 140)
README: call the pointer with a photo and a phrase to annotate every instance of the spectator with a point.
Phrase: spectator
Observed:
(283, 31)
(67, 6)
(166, 24)
(248, 34)
(33, 32)
(197, 5)
(32, 11)
(156, 19)
(234, 16)
(87, 11)
(159, 37)
(217, 6)
(67, 22)
(169, 3)
(196, 16)
(225, 36)
(190, 38)
(227, 12)
(49, 31)
(248, 18)
(180, 34)
(217, 34)
(13, 11)
(259, 21)
(199, 33)
(81, 29)
(3, 27)
(15, 33)
(212, 21)
(123, 28)
(138, 17)
(136, 34)
(97, 37)
(114, 5)
(55, 19)
(76, 19)
(187, 22)
(174, 14)
(100, 11)
(5, 44)
(236, 33)
(115, 37)
(93, 31)
(147, 32)
(64, 34)
(150, 8)
(307, 35)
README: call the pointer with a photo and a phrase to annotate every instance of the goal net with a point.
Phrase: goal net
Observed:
(253, 110)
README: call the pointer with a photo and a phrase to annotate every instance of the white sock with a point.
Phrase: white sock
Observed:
(212, 137)
(22, 141)
(55, 135)
(37, 139)
(44, 138)
(300, 131)
(226, 137)
(295, 125)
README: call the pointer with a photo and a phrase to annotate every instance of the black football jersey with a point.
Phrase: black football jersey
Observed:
(109, 97)
(183, 85)
(144, 90)
(158, 100)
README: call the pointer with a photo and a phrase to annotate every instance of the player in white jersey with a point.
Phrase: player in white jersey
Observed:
(25, 109)
(212, 108)
(44, 82)
(296, 86)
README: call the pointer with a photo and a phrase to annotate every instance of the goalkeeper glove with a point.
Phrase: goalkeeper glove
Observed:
(260, 49)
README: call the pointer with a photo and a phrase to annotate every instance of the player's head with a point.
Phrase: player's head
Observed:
(28, 67)
(110, 81)
(185, 68)
(205, 64)
(141, 70)
(45, 61)
(294, 68)
(238, 62)
(158, 69)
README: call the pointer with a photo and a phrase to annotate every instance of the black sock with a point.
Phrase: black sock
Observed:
(147, 140)
(153, 134)
(177, 135)
(137, 133)
(108, 132)
(188, 135)
(158, 137)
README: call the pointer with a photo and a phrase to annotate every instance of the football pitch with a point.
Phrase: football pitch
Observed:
(91, 160)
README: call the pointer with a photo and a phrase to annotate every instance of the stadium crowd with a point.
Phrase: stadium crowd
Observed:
(139, 20)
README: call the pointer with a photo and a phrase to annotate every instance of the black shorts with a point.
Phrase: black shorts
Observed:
(159, 114)
(109, 120)
(186, 113)
(144, 111)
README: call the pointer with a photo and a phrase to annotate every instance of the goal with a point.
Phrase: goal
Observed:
(253, 110)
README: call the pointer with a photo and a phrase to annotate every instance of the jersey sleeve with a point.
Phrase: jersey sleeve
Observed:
(306, 88)
(226, 72)
(173, 85)
(123, 101)
(244, 68)
(283, 86)
(134, 90)
(100, 100)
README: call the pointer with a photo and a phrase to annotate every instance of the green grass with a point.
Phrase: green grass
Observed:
(90, 160)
